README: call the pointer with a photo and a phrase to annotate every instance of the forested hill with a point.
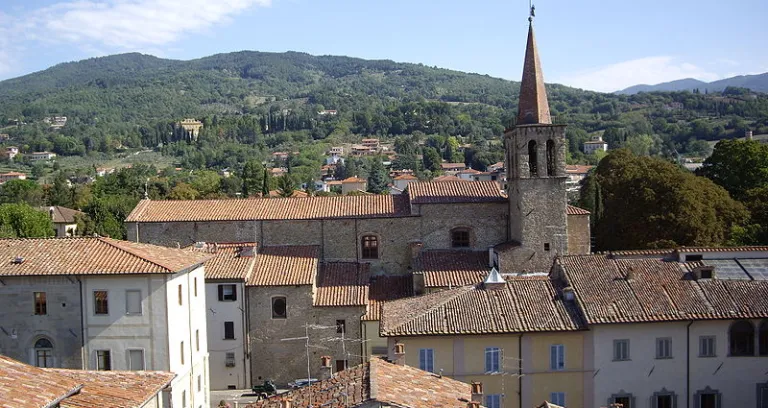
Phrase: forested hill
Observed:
(254, 102)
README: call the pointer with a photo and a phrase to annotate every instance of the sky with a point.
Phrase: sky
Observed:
(602, 45)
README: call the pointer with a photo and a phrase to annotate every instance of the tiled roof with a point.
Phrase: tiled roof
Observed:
(657, 290)
(231, 261)
(90, 256)
(384, 289)
(368, 206)
(342, 284)
(455, 192)
(62, 214)
(23, 386)
(443, 179)
(285, 266)
(406, 177)
(451, 268)
(471, 171)
(294, 194)
(521, 305)
(114, 389)
(453, 165)
(723, 249)
(571, 210)
(578, 169)
(380, 381)
(353, 180)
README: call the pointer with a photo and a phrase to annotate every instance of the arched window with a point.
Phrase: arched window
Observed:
(369, 247)
(43, 353)
(550, 157)
(742, 339)
(763, 339)
(279, 307)
(461, 238)
(533, 165)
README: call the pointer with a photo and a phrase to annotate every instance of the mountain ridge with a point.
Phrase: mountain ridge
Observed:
(756, 83)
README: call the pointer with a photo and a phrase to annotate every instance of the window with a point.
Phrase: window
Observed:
(135, 360)
(279, 308)
(557, 357)
(197, 340)
(230, 360)
(763, 341)
(199, 384)
(707, 398)
(741, 338)
(492, 359)
(103, 360)
(370, 247)
(100, 302)
(229, 330)
(707, 346)
(43, 353)
(664, 399)
(546, 246)
(427, 359)
(762, 395)
(184, 399)
(620, 350)
(460, 238)
(341, 326)
(664, 347)
(41, 305)
(341, 365)
(181, 349)
(180, 297)
(551, 161)
(533, 166)
(557, 398)
(195, 290)
(227, 293)
(133, 302)
(626, 400)
(493, 401)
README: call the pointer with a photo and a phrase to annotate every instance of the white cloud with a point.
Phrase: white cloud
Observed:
(108, 26)
(649, 70)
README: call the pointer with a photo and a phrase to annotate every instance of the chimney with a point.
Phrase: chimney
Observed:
(748, 134)
(477, 392)
(400, 354)
(325, 368)
(568, 294)
(630, 274)
(286, 403)
(51, 210)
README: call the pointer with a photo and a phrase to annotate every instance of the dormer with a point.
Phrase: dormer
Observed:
(704, 272)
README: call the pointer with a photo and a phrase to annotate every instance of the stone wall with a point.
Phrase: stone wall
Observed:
(486, 221)
(579, 234)
(21, 328)
(284, 361)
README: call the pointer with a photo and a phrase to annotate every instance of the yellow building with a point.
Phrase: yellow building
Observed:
(522, 338)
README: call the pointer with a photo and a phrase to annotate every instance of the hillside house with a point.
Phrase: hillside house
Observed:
(594, 144)
(12, 175)
(41, 156)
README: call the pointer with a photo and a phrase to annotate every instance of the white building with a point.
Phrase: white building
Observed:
(595, 144)
(41, 156)
(225, 277)
(687, 328)
(102, 304)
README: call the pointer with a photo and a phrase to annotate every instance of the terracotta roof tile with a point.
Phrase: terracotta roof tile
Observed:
(380, 381)
(442, 179)
(384, 289)
(572, 210)
(23, 386)
(455, 192)
(230, 261)
(723, 249)
(649, 290)
(406, 177)
(578, 169)
(91, 256)
(451, 268)
(522, 305)
(342, 284)
(353, 180)
(368, 206)
(453, 166)
(114, 389)
(285, 265)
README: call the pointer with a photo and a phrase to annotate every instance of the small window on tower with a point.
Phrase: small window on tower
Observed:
(550, 158)
(533, 166)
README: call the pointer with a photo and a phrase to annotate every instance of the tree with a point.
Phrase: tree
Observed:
(22, 191)
(286, 185)
(23, 221)
(253, 178)
(183, 191)
(61, 192)
(432, 159)
(648, 202)
(207, 182)
(378, 177)
(738, 166)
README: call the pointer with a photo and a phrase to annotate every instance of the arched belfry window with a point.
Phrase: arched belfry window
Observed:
(533, 165)
(43, 353)
(551, 166)
(742, 338)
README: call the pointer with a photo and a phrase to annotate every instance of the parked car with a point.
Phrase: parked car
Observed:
(302, 382)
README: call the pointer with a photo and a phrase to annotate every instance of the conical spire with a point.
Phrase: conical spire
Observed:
(533, 107)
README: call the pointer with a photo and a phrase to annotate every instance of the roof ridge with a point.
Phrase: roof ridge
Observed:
(111, 242)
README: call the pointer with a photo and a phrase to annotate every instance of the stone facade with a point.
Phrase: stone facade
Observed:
(579, 242)
(20, 327)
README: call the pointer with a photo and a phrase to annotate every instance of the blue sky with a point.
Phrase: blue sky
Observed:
(593, 44)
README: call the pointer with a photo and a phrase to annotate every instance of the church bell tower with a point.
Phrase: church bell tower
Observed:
(535, 156)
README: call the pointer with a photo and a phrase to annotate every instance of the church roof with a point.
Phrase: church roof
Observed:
(533, 106)
(456, 192)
